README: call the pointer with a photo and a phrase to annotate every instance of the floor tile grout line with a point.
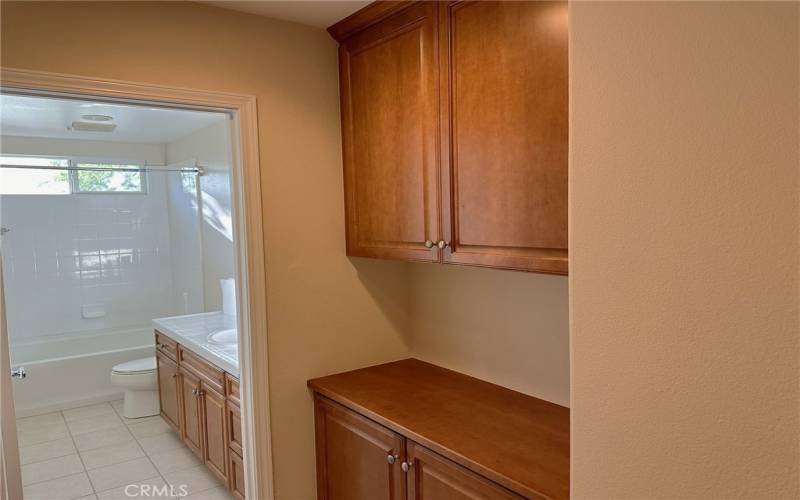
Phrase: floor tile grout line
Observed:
(142, 448)
(80, 457)
(169, 431)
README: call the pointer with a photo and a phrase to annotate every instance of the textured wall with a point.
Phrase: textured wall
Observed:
(326, 313)
(506, 327)
(684, 250)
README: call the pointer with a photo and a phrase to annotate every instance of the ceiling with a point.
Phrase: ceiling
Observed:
(313, 13)
(50, 117)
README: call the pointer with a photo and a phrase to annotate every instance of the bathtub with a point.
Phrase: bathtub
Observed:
(86, 358)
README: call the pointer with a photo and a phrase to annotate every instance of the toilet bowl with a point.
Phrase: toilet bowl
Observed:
(138, 379)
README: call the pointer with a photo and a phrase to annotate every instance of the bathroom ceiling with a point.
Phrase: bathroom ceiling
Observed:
(313, 13)
(48, 117)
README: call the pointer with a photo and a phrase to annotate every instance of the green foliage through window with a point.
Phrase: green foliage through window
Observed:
(108, 178)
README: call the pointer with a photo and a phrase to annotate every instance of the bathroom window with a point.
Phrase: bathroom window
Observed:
(45, 180)
(107, 178)
(53, 175)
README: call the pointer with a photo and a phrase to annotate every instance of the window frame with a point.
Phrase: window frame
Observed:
(73, 170)
(72, 174)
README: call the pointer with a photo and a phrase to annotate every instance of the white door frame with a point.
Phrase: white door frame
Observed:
(248, 233)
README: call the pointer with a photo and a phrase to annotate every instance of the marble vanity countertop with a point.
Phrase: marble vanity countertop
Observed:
(192, 331)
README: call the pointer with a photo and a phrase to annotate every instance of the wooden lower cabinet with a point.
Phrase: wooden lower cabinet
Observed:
(201, 403)
(215, 449)
(236, 476)
(433, 477)
(413, 430)
(356, 458)
(191, 416)
(169, 391)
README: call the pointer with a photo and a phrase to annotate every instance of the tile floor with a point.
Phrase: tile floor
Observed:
(94, 453)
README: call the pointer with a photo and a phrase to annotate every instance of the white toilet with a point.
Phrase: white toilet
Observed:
(139, 380)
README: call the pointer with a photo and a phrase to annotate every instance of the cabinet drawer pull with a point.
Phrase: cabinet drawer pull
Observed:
(405, 466)
(443, 244)
(429, 244)
(392, 459)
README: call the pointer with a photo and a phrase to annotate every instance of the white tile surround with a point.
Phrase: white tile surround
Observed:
(94, 453)
(67, 251)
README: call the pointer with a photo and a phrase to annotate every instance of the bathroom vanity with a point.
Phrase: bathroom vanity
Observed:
(198, 385)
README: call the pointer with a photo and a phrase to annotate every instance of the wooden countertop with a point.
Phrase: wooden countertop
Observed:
(515, 440)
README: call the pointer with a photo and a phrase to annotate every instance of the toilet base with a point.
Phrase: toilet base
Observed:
(139, 404)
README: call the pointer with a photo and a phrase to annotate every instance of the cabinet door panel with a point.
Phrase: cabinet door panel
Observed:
(433, 477)
(168, 391)
(236, 480)
(389, 82)
(352, 456)
(505, 168)
(191, 414)
(215, 449)
(234, 429)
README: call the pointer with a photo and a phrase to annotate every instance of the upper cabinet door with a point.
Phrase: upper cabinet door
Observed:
(389, 86)
(504, 134)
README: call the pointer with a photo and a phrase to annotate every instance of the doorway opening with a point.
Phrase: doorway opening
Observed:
(128, 273)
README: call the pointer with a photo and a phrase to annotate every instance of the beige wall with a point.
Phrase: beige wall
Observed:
(506, 327)
(326, 313)
(684, 250)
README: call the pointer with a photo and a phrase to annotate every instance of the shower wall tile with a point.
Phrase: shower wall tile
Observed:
(64, 251)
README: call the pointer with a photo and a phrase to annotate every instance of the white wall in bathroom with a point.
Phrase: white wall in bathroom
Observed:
(210, 146)
(185, 243)
(66, 251)
(151, 154)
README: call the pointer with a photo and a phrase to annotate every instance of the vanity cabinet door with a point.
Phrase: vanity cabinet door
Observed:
(215, 451)
(353, 456)
(191, 412)
(168, 391)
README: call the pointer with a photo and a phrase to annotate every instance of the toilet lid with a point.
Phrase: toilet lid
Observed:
(143, 365)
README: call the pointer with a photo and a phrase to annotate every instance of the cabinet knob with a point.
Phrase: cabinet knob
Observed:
(429, 244)
(392, 459)
(443, 244)
(405, 466)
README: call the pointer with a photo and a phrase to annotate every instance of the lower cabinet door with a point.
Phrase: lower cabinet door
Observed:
(191, 425)
(357, 459)
(215, 435)
(236, 475)
(234, 427)
(168, 391)
(433, 477)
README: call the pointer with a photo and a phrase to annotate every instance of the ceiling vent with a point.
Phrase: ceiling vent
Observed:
(92, 127)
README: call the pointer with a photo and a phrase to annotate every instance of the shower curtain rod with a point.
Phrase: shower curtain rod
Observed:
(194, 170)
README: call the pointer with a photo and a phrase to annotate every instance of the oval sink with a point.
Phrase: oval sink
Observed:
(224, 337)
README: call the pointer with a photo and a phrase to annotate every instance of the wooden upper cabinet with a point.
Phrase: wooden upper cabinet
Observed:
(455, 130)
(352, 456)
(505, 157)
(389, 85)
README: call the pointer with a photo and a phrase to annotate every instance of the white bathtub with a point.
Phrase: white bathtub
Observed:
(86, 357)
